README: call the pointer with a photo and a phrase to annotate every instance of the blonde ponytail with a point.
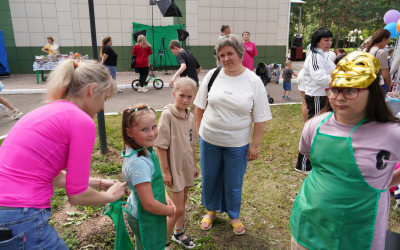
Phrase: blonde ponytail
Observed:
(70, 78)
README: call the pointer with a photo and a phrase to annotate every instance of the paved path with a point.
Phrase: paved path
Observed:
(155, 98)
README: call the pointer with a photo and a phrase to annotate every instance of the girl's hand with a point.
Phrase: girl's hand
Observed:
(252, 153)
(196, 172)
(171, 204)
(167, 179)
(116, 191)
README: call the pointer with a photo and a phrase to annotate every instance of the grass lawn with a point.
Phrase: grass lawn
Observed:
(270, 187)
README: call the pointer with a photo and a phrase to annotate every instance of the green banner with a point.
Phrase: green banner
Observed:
(162, 36)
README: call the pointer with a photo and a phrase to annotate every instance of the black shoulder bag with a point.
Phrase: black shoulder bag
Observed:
(212, 79)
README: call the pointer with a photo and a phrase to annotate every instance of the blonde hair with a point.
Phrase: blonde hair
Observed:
(187, 82)
(104, 42)
(69, 79)
(142, 40)
(130, 118)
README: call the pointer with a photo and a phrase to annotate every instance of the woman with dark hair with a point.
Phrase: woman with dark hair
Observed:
(376, 48)
(109, 56)
(250, 51)
(344, 201)
(316, 76)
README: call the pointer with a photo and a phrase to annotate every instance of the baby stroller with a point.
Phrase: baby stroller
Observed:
(265, 74)
(275, 69)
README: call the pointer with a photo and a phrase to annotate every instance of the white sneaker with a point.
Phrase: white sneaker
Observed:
(140, 89)
(144, 89)
(16, 114)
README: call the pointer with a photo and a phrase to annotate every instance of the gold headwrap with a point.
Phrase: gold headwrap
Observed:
(356, 70)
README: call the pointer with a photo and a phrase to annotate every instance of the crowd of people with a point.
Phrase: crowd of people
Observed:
(348, 146)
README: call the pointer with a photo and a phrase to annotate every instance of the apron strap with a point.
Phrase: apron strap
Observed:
(361, 122)
(133, 151)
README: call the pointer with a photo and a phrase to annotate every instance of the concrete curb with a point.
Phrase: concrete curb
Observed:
(43, 91)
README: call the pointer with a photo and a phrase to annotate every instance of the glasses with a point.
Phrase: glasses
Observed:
(348, 93)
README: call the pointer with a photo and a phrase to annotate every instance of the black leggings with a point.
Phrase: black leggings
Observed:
(143, 72)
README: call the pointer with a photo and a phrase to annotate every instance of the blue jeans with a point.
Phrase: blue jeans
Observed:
(30, 229)
(113, 71)
(222, 170)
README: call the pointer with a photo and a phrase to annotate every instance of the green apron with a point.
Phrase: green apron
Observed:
(335, 208)
(115, 210)
(153, 228)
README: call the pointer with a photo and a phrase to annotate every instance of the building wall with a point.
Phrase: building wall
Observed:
(27, 23)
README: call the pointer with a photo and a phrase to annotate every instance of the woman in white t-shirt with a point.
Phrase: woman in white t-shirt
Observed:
(224, 118)
(51, 48)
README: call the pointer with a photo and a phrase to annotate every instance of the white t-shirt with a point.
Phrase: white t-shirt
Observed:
(234, 103)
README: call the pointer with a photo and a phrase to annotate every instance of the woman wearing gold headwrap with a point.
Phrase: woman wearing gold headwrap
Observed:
(353, 147)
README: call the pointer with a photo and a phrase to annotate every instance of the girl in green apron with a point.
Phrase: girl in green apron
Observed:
(353, 147)
(149, 203)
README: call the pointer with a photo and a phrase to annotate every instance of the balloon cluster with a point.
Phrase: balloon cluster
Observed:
(392, 21)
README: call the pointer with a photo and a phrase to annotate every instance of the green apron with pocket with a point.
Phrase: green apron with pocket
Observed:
(335, 208)
(153, 228)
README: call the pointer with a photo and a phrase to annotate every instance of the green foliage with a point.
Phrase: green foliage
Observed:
(341, 17)
(70, 238)
(58, 199)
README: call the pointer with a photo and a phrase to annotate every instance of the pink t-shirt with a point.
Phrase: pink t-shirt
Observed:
(248, 60)
(368, 140)
(49, 139)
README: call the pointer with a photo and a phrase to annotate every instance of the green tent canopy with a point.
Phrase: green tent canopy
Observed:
(168, 33)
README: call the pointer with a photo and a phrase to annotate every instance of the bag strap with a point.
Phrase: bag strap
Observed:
(212, 79)
(247, 51)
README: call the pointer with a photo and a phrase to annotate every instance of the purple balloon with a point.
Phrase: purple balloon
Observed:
(391, 16)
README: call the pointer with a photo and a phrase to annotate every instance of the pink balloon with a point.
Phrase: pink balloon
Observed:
(391, 16)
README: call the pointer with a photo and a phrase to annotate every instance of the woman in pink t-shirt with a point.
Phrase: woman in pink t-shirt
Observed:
(51, 146)
(250, 51)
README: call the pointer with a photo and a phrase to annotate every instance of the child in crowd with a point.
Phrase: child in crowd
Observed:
(175, 149)
(6, 105)
(287, 79)
(148, 201)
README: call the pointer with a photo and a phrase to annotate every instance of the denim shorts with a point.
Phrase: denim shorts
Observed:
(287, 85)
(30, 229)
(113, 71)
